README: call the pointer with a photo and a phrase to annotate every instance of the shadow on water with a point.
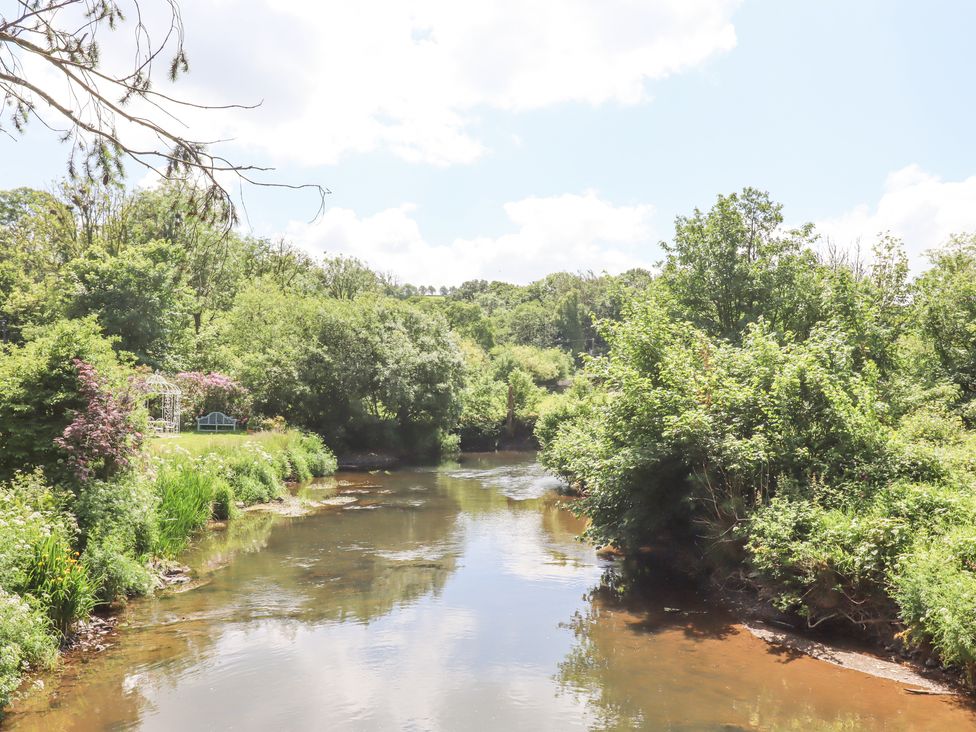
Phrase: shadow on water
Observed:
(657, 654)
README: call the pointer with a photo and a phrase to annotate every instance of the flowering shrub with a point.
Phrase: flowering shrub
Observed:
(24, 642)
(30, 511)
(213, 392)
(102, 438)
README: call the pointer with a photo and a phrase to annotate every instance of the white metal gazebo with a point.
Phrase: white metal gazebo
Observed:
(163, 404)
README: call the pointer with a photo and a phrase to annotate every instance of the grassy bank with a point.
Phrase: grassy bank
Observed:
(64, 552)
(200, 476)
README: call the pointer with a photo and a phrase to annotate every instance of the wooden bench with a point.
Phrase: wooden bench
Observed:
(215, 422)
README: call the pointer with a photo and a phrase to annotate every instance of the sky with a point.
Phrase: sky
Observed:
(510, 139)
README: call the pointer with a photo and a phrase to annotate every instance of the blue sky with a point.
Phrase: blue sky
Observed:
(532, 136)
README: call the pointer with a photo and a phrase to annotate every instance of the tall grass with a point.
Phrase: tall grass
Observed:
(186, 496)
(61, 583)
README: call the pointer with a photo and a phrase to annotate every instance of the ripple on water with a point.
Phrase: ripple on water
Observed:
(519, 482)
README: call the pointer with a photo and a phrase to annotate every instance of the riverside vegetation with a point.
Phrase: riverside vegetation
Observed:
(803, 420)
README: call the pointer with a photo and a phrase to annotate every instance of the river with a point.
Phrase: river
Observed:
(449, 598)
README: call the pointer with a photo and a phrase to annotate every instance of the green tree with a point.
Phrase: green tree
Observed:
(946, 301)
(136, 297)
(733, 264)
(346, 278)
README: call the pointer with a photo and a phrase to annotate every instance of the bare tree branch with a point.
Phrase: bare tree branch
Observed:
(62, 36)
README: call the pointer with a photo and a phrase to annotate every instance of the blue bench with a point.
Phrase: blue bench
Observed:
(216, 422)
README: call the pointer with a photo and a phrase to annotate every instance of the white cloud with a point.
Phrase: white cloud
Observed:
(571, 232)
(919, 207)
(413, 77)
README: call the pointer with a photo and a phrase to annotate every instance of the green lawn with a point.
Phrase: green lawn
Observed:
(201, 443)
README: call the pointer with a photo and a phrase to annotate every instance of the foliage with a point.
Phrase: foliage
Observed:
(212, 392)
(30, 511)
(102, 439)
(935, 587)
(186, 494)
(60, 582)
(733, 264)
(545, 366)
(118, 573)
(203, 476)
(806, 414)
(25, 642)
(947, 311)
(483, 409)
(137, 298)
(346, 278)
(121, 512)
(223, 501)
(798, 413)
(503, 390)
(40, 392)
(381, 371)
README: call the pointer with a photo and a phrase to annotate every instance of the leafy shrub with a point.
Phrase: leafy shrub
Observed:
(450, 444)
(254, 475)
(250, 490)
(60, 583)
(299, 469)
(115, 573)
(689, 421)
(25, 642)
(122, 509)
(282, 463)
(320, 459)
(102, 437)
(40, 393)
(935, 587)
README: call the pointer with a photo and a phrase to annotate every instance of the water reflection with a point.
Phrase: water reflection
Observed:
(667, 659)
(452, 598)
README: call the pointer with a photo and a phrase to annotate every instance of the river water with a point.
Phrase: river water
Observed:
(450, 598)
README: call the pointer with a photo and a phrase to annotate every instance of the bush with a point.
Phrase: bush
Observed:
(101, 439)
(299, 465)
(116, 574)
(320, 459)
(29, 512)
(40, 393)
(935, 587)
(25, 643)
(124, 510)
(254, 475)
(250, 490)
